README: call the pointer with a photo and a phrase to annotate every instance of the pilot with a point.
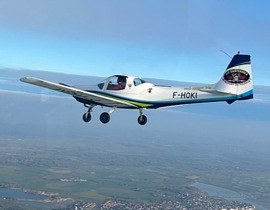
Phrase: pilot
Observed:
(121, 84)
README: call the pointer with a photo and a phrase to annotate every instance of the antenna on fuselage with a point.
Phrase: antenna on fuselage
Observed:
(225, 53)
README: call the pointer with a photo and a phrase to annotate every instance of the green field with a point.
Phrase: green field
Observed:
(139, 171)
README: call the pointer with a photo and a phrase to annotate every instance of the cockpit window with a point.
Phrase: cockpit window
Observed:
(138, 81)
(117, 83)
(101, 85)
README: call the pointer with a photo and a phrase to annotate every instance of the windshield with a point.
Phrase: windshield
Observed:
(101, 85)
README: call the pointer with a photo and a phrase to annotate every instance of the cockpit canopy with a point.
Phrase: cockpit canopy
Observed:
(117, 83)
(120, 82)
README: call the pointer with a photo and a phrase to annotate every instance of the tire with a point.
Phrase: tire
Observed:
(104, 117)
(87, 117)
(142, 120)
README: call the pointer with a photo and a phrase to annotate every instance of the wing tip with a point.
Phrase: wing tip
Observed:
(24, 79)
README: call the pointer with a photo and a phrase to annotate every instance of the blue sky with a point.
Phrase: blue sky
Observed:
(175, 40)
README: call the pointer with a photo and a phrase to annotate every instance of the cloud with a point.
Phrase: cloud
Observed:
(261, 95)
(4, 80)
(261, 98)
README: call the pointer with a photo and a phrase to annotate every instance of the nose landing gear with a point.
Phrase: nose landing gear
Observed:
(87, 115)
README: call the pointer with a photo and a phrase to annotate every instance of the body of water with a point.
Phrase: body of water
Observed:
(29, 200)
(212, 190)
(18, 194)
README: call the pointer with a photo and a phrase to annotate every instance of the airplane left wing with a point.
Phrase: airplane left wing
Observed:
(95, 98)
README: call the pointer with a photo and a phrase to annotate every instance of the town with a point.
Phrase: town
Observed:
(186, 198)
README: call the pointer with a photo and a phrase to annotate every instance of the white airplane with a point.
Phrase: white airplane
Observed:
(122, 91)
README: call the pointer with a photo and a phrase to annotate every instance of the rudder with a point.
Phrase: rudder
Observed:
(237, 79)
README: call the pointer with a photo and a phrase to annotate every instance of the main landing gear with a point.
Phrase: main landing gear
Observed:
(106, 116)
(142, 119)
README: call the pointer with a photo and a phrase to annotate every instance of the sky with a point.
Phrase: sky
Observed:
(178, 40)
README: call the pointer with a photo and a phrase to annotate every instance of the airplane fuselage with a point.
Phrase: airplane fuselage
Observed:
(150, 96)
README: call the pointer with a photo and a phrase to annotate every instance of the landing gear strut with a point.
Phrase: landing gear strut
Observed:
(142, 119)
(87, 115)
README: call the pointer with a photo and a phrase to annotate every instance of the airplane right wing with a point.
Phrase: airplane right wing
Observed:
(95, 98)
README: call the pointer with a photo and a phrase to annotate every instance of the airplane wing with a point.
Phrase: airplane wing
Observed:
(78, 93)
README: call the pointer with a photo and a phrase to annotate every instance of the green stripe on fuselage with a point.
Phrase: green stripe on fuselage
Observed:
(133, 102)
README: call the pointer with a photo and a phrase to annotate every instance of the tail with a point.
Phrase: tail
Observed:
(237, 79)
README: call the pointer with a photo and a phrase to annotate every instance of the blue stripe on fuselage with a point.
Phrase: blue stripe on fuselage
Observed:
(159, 104)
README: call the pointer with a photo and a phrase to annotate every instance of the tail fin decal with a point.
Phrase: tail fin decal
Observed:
(237, 79)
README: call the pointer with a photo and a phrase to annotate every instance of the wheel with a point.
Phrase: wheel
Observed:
(104, 117)
(142, 120)
(87, 117)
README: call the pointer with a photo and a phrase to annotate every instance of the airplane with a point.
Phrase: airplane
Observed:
(129, 92)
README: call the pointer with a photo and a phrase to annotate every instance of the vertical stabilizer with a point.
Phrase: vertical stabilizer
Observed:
(237, 79)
